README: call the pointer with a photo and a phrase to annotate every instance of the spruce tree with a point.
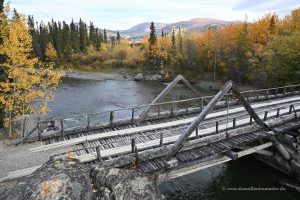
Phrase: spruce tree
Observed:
(173, 39)
(82, 36)
(104, 36)
(92, 35)
(152, 39)
(74, 37)
(152, 54)
(43, 39)
(118, 36)
(34, 35)
(67, 47)
(162, 33)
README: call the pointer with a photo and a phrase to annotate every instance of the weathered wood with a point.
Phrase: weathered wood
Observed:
(200, 118)
(62, 127)
(231, 154)
(170, 86)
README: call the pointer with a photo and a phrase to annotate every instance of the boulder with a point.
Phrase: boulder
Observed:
(139, 77)
(59, 179)
(113, 183)
(155, 77)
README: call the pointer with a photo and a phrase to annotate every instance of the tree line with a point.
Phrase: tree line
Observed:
(263, 53)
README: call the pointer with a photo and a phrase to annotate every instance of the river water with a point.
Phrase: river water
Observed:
(78, 96)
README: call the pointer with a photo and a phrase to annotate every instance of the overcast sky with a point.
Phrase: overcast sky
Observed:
(123, 14)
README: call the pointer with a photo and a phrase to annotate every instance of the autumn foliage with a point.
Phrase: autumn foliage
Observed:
(27, 85)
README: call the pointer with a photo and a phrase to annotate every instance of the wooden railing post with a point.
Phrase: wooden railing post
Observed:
(62, 127)
(132, 116)
(111, 118)
(39, 126)
(88, 122)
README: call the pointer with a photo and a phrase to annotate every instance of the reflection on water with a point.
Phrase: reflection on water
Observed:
(78, 96)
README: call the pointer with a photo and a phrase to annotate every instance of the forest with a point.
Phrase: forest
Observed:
(263, 53)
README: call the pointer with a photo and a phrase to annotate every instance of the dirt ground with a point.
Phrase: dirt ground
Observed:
(14, 158)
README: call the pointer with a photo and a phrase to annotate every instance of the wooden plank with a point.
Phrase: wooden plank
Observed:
(20, 173)
(197, 166)
(154, 143)
(151, 127)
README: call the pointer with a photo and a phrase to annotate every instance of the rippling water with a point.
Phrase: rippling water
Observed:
(78, 96)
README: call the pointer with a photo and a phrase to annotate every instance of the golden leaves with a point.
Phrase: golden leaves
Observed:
(27, 87)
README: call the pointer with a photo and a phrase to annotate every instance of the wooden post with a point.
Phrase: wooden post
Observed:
(62, 127)
(39, 126)
(137, 160)
(158, 112)
(133, 145)
(276, 92)
(111, 118)
(98, 154)
(284, 91)
(227, 100)
(257, 96)
(251, 119)
(201, 103)
(233, 123)
(187, 107)
(88, 122)
(172, 110)
(248, 97)
(267, 94)
(197, 134)
(266, 115)
(217, 127)
(161, 139)
(132, 116)
(278, 112)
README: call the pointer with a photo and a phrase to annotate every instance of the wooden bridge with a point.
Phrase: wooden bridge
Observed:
(175, 138)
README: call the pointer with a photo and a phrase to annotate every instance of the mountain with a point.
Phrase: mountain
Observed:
(138, 31)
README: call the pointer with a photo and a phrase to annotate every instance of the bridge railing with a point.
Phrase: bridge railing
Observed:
(95, 120)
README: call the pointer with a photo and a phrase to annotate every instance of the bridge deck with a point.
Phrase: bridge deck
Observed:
(118, 142)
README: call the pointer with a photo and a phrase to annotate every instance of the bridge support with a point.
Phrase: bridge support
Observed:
(228, 86)
(170, 86)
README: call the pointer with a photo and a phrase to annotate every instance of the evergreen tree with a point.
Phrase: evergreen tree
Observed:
(162, 33)
(173, 39)
(152, 39)
(153, 49)
(104, 36)
(82, 36)
(67, 47)
(118, 36)
(43, 39)
(92, 35)
(34, 35)
(74, 37)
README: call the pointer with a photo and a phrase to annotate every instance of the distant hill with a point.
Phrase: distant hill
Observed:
(138, 31)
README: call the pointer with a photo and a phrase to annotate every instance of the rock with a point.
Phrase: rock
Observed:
(124, 184)
(155, 77)
(139, 77)
(60, 179)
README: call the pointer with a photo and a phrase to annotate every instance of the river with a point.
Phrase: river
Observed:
(78, 96)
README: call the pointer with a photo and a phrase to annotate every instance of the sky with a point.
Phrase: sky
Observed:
(123, 14)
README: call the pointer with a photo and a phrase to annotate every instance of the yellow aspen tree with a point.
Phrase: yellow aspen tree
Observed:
(29, 85)
(50, 53)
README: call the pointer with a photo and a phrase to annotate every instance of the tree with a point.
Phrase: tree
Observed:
(173, 39)
(82, 36)
(66, 42)
(3, 71)
(74, 37)
(118, 36)
(25, 84)
(104, 36)
(153, 48)
(50, 53)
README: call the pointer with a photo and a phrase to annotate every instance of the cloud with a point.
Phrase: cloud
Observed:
(121, 14)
